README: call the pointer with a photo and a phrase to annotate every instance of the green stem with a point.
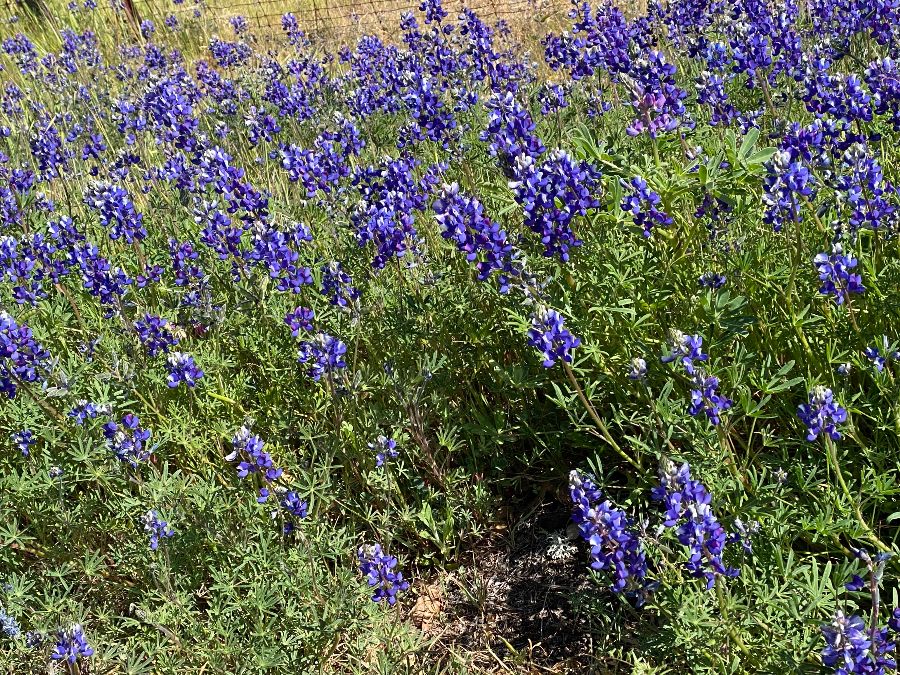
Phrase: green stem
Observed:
(732, 631)
(789, 293)
(659, 422)
(152, 406)
(731, 457)
(65, 293)
(852, 316)
(225, 399)
(42, 403)
(870, 535)
(764, 82)
(601, 425)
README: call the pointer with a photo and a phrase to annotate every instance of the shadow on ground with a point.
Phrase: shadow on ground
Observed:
(510, 608)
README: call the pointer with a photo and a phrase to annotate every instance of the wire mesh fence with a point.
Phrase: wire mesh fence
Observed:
(344, 17)
(341, 19)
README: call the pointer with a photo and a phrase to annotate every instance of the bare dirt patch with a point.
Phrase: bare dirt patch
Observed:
(510, 609)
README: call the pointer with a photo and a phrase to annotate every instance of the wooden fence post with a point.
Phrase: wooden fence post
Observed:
(133, 17)
(38, 8)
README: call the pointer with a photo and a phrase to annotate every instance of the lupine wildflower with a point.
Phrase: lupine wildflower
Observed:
(638, 369)
(127, 440)
(239, 24)
(182, 368)
(324, 354)
(291, 27)
(84, 410)
(300, 319)
(822, 413)
(615, 545)
(156, 528)
(431, 118)
(156, 334)
(34, 639)
(379, 569)
(51, 155)
(117, 212)
(291, 504)
(711, 92)
(71, 645)
(274, 251)
(8, 625)
(247, 450)
(550, 337)
(656, 99)
(552, 192)
(390, 197)
(705, 397)
(463, 221)
(261, 126)
(874, 355)
(836, 275)
(219, 230)
(384, 449)
(712, 280)
(883, 78)
(688, 506)
(433, 11)
(337, 285)
(229, 54)
(686, 349)
(149, 125)
(101, 279)
(22, 358)
(183, 255)
(863, 191)
(642, 204)
(510, 131)
(552, 98)
(788, 183)
(853, 648)
(23, 440)
(881, 356)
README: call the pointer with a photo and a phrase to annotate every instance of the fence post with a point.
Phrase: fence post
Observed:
(133, 17)
(38, 8)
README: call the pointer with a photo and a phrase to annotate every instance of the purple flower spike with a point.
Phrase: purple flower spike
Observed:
(381, 575)
(822, 414)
